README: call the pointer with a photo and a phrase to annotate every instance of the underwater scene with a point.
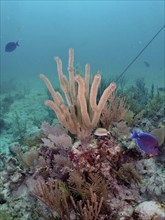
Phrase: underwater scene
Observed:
(82, 110)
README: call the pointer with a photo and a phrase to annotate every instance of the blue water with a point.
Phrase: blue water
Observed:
(106, 34)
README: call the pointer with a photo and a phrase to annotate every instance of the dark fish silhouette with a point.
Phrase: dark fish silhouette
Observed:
(146, 64)
(11, 46)
(161, 89)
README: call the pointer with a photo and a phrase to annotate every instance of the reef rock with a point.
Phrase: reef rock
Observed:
(150, 210)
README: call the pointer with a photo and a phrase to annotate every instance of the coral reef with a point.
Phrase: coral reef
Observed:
(84, 166)
(153, 179)
(150, 210)
(56, 196)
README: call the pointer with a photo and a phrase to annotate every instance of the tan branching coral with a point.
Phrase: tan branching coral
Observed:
(56, 197)
(80, 112)
(114, 110)
(81, 186)
(89, 210)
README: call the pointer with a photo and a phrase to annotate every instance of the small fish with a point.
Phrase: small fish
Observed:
(146, 64)
(11, 46)
(146, 142)
(161, 89)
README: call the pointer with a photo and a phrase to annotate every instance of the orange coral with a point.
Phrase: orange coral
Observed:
(81, 113)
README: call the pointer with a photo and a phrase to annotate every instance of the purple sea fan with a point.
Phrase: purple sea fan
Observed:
(56, 136)
(123, 129)
(58, 130)
(47, 153)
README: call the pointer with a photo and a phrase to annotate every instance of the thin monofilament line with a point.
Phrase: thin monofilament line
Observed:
(130, 64)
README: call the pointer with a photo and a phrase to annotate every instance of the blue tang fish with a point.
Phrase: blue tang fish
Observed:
(146, 142)
(11, 46)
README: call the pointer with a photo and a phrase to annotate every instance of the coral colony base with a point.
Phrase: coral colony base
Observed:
(86, 167)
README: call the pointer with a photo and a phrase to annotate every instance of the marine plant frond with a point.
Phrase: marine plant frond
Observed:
(90, 209)
(26, 159)
(54, 195)
(114, 110)
(80, 185)
(76, 181)
(159, 134)
(98, 184)
(127, 173)
(62, 161)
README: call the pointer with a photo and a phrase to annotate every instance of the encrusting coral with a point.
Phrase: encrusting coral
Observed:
(81, 113)
(56, 136)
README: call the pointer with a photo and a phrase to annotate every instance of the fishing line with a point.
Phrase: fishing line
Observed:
(130, 64)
